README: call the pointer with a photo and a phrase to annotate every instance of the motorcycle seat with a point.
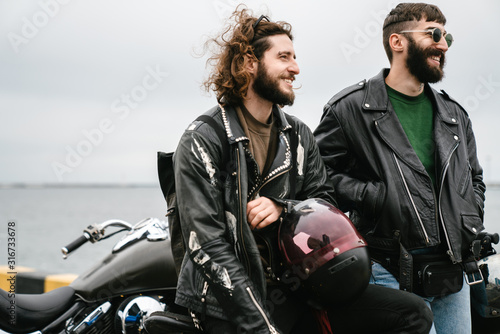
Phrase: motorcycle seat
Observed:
(23, 313)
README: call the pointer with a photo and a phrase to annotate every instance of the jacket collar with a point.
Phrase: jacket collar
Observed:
(376, 98)
(282, 161)
(235, 132)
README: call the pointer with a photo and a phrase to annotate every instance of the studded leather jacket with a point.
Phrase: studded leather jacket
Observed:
(381, 181)
(222, 274)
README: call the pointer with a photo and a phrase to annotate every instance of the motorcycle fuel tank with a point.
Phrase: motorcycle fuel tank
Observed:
(137, 266)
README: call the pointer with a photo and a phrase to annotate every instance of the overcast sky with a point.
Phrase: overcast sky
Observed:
(91, 90)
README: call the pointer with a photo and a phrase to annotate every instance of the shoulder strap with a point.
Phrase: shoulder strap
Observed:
(221, 133)
(165, 163)
(293, 144)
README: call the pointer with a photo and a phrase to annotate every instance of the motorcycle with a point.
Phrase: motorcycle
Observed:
(116, 295)
(485, 297)
(132, 290)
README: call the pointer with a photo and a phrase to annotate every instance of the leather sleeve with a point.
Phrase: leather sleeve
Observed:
(317, 183)
(352, 193)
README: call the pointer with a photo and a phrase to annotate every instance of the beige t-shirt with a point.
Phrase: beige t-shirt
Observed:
(263, 138)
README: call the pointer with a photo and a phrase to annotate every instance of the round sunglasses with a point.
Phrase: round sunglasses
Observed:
(436, 34)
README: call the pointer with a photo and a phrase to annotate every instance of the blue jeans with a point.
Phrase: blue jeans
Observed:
(452, 313)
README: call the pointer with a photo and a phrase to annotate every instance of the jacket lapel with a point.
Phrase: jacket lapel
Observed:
(232, 125)
(386, 122)
(282, 160)
(445, 132)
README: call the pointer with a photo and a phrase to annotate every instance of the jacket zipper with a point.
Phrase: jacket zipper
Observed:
(436, 205)
(204, 298)
(450, 251)
(204, 291)
(244, 251)
(269, 326)
(411, 199)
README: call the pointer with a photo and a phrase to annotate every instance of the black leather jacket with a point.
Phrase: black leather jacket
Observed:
(222, 273)
(381, 181)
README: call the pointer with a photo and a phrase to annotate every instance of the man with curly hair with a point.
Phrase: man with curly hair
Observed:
(227, 191)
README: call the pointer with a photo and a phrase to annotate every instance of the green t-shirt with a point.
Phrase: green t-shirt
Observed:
(416, 117)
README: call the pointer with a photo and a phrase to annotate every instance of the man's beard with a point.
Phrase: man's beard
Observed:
(418, 66)
(269, 88)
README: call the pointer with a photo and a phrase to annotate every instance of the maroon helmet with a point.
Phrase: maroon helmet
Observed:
(321, 246)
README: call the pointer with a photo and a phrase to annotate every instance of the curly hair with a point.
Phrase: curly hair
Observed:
(404, 15)
(239, 44)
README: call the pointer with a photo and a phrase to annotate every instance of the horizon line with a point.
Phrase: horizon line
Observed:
(78, 185)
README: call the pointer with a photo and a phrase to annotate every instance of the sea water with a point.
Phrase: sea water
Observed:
(46, 219)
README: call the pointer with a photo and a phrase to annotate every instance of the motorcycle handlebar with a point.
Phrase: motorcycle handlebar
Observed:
(93, 233)
(75, 244)
(486, 237)
(495, 238)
